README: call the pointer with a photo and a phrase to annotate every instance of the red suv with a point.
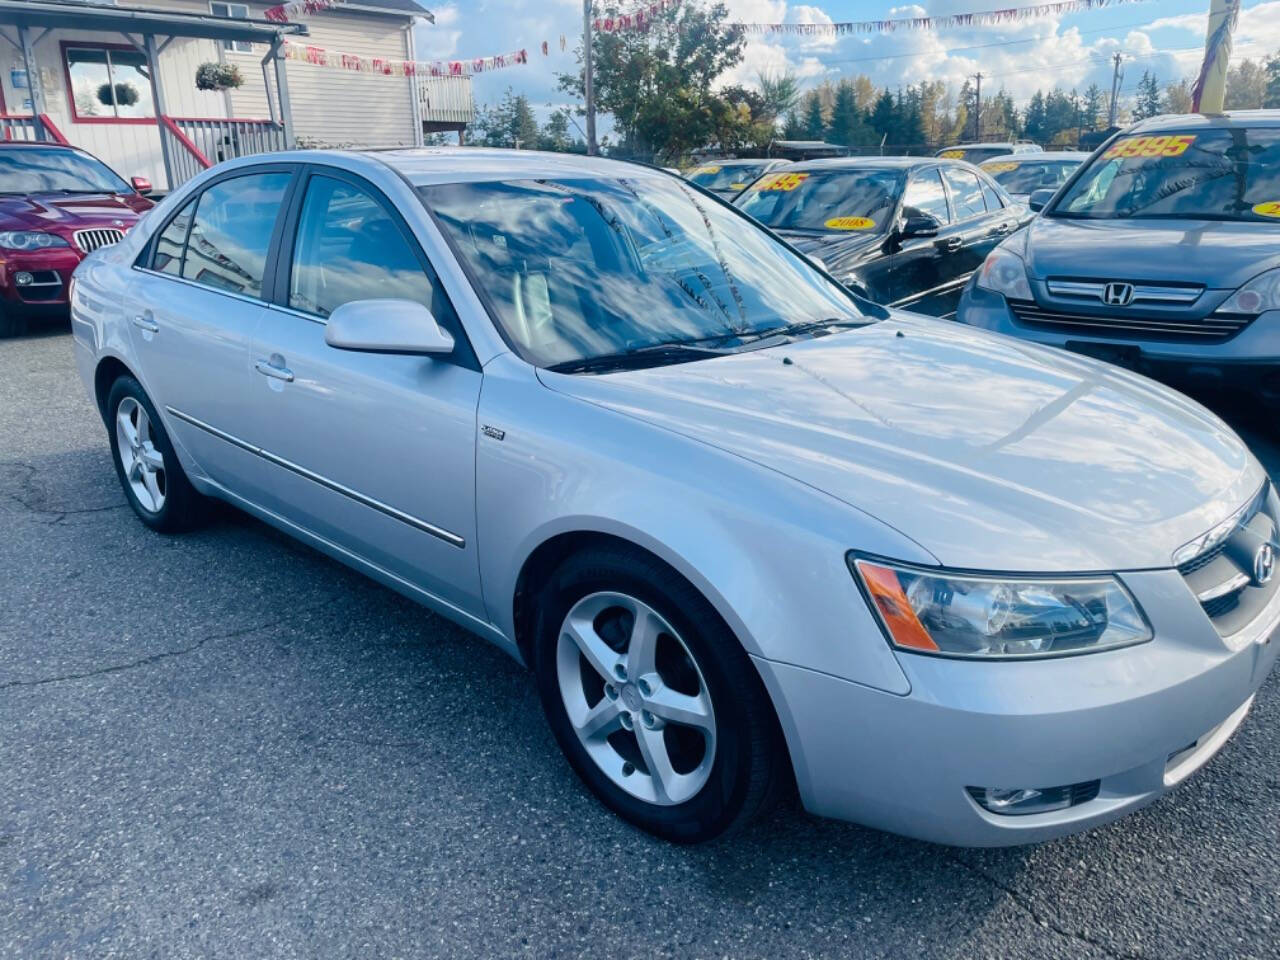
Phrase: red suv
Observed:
(57, 204)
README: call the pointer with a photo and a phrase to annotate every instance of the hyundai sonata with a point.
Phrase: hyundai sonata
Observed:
(747, 529)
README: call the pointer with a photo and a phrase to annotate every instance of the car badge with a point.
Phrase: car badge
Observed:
(1117, 294)
(118, 223)
(1264, 565)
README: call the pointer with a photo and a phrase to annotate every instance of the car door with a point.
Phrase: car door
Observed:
(970, 244)
(196, 297)
(373, 452)
(919, 263)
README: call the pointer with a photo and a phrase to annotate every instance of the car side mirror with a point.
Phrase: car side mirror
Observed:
(1039, 199)
(141, 184)
(386, 326)
(920, 225)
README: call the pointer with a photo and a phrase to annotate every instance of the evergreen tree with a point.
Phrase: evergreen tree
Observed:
(847, 127)
(815, 128)
(793, 127)
(1148, 101)
(1035, 124)
(884, 118)
(1271, 96)
(1092, 107)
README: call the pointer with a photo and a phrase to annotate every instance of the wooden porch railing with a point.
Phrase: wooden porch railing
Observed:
(198, 143)
(30, 128)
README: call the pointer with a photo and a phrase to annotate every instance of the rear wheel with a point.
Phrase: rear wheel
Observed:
(652, 698)
(153, 481)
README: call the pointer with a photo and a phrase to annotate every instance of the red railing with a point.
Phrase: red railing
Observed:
(53, 131)
(30, 128)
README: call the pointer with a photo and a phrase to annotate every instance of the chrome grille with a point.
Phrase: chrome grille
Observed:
(1221, 573)
(1216, 327)
(1149, 293)
(91, 240)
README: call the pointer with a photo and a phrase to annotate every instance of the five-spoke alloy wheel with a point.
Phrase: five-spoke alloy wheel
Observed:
(142, 463)
(651, 697)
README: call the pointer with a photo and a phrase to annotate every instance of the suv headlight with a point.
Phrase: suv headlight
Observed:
(1005, 272)
(30, 240)
(1260, 294)
(926, 610)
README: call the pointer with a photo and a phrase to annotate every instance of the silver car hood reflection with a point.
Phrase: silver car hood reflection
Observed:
(991, 453)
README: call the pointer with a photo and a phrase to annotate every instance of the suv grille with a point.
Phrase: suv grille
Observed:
(1214, 328)
(91, 240)
(1222, 576)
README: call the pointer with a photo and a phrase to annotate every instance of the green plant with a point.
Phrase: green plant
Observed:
(125, 95)
(218, 76)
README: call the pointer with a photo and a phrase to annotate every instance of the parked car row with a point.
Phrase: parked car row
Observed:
(748, 528)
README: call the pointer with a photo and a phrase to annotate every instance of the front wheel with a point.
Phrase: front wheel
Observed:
(153, 480)
(652, 698)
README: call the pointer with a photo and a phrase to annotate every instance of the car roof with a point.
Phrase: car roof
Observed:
(737, 161)
(1232, 119)
(423, 165)
(1041, 156)
(866, 163)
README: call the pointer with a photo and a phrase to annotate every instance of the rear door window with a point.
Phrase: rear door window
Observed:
(172, 242)
(966, 192)
(231, 233)
(925, 196)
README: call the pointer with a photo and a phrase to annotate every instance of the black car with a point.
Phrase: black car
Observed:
(906, 232)
(1162, 253)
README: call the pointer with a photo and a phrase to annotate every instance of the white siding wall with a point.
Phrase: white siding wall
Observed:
(334, 107)
(330, 106)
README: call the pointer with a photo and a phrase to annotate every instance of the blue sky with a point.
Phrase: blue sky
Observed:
(1070, 51)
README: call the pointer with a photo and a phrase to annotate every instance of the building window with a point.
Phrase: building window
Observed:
(233, 11)
(108, 83)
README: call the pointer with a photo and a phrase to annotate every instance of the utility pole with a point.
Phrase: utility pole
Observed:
(587, 80)
(1116, 77)
(977, 109)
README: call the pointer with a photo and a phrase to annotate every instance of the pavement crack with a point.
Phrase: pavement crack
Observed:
(157, 657)
(1028, 906)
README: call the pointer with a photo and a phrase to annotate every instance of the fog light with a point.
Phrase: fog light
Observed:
(23, 279)
(1022, 801)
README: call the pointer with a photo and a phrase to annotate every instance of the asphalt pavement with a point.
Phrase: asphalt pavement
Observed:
(224, 744)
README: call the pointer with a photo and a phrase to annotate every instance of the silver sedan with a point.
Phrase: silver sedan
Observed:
(751, 534)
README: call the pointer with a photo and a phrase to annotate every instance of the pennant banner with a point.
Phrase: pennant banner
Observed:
(641, 18)
(284, 12)
(389, 67)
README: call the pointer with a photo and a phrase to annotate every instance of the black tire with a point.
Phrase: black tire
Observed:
(183, 508)
(749, 766)
(11, 324)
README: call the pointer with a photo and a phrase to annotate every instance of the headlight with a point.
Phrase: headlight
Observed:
(1005, 272)
(1259, 294)
(961, 615)
(30, 240)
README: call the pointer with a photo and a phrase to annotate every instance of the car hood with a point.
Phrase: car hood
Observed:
(831, 248)
(69, 211)
(990, 453)
(1221, 255)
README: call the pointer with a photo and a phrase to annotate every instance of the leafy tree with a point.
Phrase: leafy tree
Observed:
(657, 83)
(1246, 86)
(1148, 100)
(1271, 96)
(1177, 97)
(779, 93)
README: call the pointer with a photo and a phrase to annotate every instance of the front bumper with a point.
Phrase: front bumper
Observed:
(1127, 718)
(51, 279)
(1250, 360)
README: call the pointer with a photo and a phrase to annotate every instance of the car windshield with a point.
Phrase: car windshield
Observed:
(974, 154)
(826, 201)
(26, 170)
(1206, 174)
(734, 176)
(1027, 176)
(592, 268)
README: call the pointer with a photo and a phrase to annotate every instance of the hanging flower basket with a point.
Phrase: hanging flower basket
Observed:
(218, 76)
(126, 95)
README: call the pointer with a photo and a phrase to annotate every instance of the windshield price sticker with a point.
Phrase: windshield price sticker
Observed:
(1171, 146)
(737, 186)
(952, 154)
(849, 223)
(708, 170)
(1000, 167)
(1269, 209)
(782, 181)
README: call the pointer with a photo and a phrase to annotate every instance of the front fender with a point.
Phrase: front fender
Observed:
(766, 551)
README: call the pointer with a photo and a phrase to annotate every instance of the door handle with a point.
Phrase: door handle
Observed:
(953, 244)
(144, 322)
(1004, 227)
(271, 370)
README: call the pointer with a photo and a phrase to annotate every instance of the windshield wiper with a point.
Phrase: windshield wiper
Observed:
(655, 354)
(807, 326)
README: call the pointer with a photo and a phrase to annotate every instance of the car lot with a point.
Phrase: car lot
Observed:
(225, 744)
